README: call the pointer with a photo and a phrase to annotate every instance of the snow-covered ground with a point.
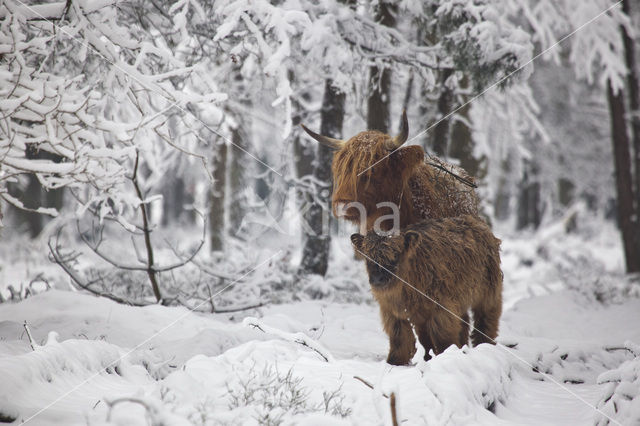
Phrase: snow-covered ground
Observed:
(569, 338)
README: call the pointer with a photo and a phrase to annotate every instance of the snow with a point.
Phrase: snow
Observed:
(562, 353)
(125, 77)
(192, 366)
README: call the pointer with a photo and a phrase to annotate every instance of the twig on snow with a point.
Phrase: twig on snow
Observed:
(628, 346)
(150, 408)
(299, 338)
(32, 343)
(237, 308)
(394, 414)
(369, 385)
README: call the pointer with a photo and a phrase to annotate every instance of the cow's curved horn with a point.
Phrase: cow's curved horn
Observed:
(324, 140)
(395, 143)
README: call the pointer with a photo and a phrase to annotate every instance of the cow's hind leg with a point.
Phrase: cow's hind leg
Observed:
(486, 318)
(464, 331)
(423, 331)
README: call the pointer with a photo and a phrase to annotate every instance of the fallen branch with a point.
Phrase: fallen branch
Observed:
(237, 309)
(299, 338)
(369, 385)
(32, 343)
(226, 310)
(394, 414)
(628, 346)
(152, 409)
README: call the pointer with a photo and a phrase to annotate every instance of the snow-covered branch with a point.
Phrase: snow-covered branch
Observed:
(299, 338)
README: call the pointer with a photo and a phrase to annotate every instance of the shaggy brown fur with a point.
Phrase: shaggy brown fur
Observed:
(453, 261)
(404, 178)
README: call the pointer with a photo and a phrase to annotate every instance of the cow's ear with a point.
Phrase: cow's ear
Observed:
(410, 239)
(356, 240)
(409, 156)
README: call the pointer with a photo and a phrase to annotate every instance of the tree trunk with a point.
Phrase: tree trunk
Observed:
(239, 171)
(174, 196)
(175, 192)
(440, 140)
(237, 174)
(35, 196)
(217, 197)
(634, 112)
(529, 203)
(461, 145)
(315, 253)
(502, 200)
(378, 114)
(566, 190)
(622, 159)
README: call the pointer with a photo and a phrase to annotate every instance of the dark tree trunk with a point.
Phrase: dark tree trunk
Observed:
(174, 198)
(32, 199)
(315, 253)
(35, 196)
(461, 145)
(175, 194)
(529, 203)
(634, 112)
(378, 115)
(566, 190)
(217, 198)
(622, 159)
(440, 139)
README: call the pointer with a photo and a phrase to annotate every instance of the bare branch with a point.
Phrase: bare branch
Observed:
(367, 384)
(151, 273)
(299, 338)
(394, 414)
(32, 343)
(64, 262)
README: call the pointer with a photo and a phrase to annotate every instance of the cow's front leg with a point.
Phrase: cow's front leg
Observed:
(402, 342)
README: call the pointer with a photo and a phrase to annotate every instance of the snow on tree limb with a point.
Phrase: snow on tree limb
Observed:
(73, 120)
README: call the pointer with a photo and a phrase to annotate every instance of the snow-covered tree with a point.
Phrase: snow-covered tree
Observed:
(81, 83)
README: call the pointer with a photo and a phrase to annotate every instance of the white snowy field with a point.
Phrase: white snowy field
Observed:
(569, 344)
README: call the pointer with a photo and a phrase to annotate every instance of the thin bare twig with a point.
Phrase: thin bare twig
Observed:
(237, 308)
(151, 273)
(298, 338)
(64, 260)
(32, 343)
(460, 178)
(369, 385)
(394, 414)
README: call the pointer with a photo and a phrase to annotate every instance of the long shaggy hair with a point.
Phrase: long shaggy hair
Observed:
(363, 171)
(452, 261)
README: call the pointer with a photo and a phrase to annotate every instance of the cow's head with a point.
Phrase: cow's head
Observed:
(370, 168)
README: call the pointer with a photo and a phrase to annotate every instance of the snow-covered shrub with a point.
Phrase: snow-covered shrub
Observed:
(620, 401)
(588, 259)
(85, 83)
(465, 383)
(273, 395)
